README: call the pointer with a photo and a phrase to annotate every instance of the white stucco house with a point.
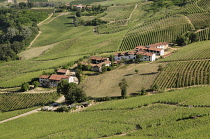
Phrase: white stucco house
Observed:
(54, 79)
(146, 56)
(157, 48)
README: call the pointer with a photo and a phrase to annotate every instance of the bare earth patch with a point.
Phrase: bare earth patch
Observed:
(34, 52)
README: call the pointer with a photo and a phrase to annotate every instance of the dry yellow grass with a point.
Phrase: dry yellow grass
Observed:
(107, 84)
(34, 52)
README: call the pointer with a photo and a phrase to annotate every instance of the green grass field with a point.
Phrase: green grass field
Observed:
(144, 116)
(10, 114)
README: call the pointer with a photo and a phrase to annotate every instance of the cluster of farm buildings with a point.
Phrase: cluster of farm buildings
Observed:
(54, 79)
(148, 53)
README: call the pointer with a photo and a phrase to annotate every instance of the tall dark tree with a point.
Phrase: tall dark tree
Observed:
(123, 86)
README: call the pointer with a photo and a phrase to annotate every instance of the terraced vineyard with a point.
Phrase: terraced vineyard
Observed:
(163, 30)
(204, 34)
(194, 51)
(15, 101)
(192, 8)
(205, 4)
(137, 117)
(200, 20)
(186, 73)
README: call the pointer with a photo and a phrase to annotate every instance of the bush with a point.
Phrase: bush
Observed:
(25, 87)
(36, 84)
(63, 109)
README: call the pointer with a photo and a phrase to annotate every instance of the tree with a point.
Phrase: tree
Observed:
(71, 92)
(180, 41)
(22, 5)
(160, 68)
(136, 71)
(138, 58)
(79, 74)
(143, 91)
(78, 14)
(36, 84)
(123, 86)
(193, 37)
(25, 87)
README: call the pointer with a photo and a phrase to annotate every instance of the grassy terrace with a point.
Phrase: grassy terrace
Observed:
(144, 116)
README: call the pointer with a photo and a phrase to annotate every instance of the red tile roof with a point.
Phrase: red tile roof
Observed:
(58, 77)
(44, 76)
(132, 52)
(158, 44)
(154, 49)
(97, 58)
(62, 70)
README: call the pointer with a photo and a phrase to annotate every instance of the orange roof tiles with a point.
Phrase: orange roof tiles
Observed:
(58, 77)
(62, 70)
(158, 44)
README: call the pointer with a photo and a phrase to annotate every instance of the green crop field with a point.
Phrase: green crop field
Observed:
(139, 117)
(15, 101)
(7, 115)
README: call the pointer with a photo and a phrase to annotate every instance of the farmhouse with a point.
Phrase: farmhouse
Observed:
(80, 6)
(63, 72)
(157, 48)
(54, 79)
(148, 53)
(146, 56)
(97, 63)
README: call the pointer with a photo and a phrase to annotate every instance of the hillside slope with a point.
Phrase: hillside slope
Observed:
(176, 114)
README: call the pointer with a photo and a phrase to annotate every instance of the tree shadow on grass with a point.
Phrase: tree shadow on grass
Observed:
(128, 74)
(151, 73)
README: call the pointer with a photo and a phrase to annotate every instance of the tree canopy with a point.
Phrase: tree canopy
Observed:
(71, 92)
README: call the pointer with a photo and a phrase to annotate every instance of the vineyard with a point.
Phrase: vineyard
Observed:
(205, 4)
(143, 116)
(15, 101)
(200, 20)
(195, 51)
(204, 34)
(184, 73)
(118, 17)
(163, 30)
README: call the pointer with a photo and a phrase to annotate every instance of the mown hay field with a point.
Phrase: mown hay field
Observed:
(107, 84)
